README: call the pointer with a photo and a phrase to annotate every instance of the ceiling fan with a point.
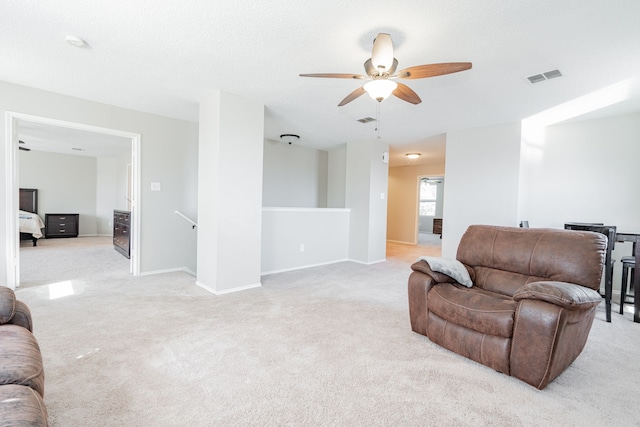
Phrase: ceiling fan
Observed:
(381, 70)
(23, 148)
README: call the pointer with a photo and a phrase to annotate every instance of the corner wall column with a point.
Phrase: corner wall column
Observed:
(366, 195)
(230, 193)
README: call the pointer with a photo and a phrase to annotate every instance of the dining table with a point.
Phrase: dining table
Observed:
(634, 238)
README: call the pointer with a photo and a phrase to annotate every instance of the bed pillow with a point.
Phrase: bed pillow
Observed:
(451, 267)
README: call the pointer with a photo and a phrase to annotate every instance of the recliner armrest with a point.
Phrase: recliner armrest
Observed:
(22, 316)
(566, 295)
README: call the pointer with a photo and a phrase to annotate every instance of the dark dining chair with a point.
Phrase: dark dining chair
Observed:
(628, 266)
(610, 232)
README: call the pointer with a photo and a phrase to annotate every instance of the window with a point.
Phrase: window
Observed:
(428, 196)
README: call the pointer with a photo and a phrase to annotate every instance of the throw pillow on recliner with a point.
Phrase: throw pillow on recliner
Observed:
(451, 267)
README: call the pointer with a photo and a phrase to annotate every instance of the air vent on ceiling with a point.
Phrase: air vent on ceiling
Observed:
(537, 78)
(552, 74)
(367, 120)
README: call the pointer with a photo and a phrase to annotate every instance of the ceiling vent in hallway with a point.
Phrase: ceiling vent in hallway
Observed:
(367, 120)
(537, 78)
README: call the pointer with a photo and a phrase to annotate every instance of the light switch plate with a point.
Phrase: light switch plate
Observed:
(155, 186)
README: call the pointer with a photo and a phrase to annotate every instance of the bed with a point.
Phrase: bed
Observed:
(31, 224)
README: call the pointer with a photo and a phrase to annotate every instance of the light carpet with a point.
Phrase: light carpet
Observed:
(325, 346)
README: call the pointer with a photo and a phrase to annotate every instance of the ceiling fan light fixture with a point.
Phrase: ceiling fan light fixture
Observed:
(413, 155)
(380, 89)
(382, 54)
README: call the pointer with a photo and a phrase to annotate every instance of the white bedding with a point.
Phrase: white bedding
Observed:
(31, 223)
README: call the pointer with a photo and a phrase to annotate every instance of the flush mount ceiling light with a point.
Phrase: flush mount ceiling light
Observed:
(413, 155)
(289, 138)
(76, 41)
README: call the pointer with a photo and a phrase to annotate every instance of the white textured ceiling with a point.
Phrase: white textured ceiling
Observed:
(164, 56)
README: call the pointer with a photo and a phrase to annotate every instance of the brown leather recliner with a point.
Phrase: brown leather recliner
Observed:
(531, 306)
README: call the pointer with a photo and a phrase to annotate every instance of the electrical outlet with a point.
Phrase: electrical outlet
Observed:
(301, 248)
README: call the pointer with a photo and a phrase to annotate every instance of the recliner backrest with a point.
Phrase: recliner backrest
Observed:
(505, 258)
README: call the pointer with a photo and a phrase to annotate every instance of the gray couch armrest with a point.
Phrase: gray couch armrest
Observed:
(566, 295)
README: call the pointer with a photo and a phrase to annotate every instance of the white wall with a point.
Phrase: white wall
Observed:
(402, 210)
(366, 197)
(585, 171)
(112, 190)
(230, 193)
(482, 179)
(105, 195)
(294, 175)
(337, 177)
(324, 234)
(65, 183)
(168, 148)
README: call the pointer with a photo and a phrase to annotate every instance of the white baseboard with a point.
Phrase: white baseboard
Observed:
(370, 262)
(189, 271)
(402, 243)
(228, 291)
(169, 270)
(284, 270)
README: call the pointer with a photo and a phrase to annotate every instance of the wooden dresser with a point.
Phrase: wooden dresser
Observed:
(122, 232)
(437, 225)
(61, 225)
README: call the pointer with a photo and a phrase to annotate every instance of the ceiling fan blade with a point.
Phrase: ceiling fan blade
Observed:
(24, 149)
(382, 53)
(432, 70)
(405, 93)
(353, 95)
(335, 76)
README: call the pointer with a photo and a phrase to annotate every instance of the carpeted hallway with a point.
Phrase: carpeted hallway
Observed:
(328, 346)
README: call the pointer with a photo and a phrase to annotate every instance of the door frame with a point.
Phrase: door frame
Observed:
(12, 120)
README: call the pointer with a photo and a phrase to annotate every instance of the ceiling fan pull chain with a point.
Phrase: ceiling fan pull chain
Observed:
(378, 119)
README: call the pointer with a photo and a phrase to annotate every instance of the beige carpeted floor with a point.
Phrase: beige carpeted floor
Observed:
(328, 346)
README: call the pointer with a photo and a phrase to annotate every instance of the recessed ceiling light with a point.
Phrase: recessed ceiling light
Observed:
(413, 155)
(76, 41)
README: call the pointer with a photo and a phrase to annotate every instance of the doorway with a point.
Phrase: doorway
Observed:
(14, 122)
(430, 209)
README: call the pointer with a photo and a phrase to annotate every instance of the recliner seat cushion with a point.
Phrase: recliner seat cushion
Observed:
(473, 308)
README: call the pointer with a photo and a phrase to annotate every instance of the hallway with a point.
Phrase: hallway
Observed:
(428, 245)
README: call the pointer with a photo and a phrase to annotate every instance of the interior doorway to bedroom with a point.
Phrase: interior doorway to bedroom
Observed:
(430, 209)
(77, 169)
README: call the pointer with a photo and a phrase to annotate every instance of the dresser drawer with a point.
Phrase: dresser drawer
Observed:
(61, 225)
